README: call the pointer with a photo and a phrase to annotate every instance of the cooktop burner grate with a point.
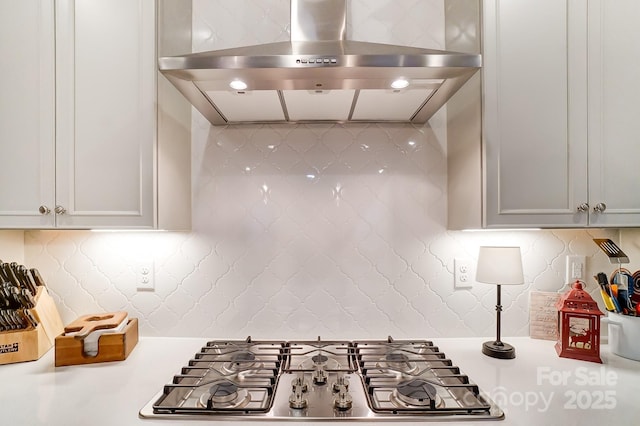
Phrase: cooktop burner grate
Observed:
(321, 380)
(225, 377)
(330, 356)
(407, 377)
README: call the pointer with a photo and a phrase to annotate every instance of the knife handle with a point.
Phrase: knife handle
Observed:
(27, 279)
(37, 277)
(27, 299)
(3, 276)
(8, 321)
(11, 277)
(30, 319)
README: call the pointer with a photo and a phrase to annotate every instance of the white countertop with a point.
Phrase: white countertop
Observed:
(536, 388)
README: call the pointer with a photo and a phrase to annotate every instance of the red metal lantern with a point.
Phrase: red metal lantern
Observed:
(578, 325)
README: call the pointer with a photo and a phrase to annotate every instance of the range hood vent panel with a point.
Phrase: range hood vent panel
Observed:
(256, 105)
(389, 105)
(304, 64)
(310, 105)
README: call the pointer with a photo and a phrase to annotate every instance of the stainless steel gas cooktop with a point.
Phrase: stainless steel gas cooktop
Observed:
(321, 380)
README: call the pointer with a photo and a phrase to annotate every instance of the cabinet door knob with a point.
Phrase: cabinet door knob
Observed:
(584, 207)
(600, 207)
(60, 210)
(44, 210)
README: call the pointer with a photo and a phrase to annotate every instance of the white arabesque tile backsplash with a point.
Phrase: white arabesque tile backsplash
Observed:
(307, 230)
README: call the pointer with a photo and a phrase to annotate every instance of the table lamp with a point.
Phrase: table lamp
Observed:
(499, 266)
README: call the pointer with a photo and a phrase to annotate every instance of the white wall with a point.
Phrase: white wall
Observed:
(12, 246)
(308, 230)
(630, 245)
(236, 277)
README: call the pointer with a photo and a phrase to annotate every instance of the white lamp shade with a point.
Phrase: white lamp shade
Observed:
(499, 265)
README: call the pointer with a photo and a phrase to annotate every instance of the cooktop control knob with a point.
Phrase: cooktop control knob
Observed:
(297, 400)
(343, 400)
(341, 381)
(301, 383)
(319, 377)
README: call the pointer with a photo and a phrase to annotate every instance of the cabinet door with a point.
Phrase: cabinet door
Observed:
(26, 113)
(535, 112)
(614, 112)
(105, 76)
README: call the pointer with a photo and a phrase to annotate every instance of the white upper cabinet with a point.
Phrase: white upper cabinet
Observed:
(27, 114)
(614, 112)
(80, 115)
(105, 81)
(561, 113)
(535, 113)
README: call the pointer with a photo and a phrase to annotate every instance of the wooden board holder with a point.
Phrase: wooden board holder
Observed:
(30, 344)
(111, 347)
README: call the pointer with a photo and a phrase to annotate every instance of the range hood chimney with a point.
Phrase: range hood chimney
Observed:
(319, 76)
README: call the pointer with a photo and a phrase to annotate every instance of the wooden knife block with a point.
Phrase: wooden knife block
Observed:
(111, 347)
(30, 344)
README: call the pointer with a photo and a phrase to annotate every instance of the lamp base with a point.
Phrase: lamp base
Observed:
(498, 350)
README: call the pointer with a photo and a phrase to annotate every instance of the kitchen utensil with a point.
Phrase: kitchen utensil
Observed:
(86, 324)
(39, 327)
(19, 319)
(16, 273)
(17, 298)
(9, 295)
(605, 292)
(3, 276)
(12, 297)
(624, 335)
(28, 316)
(37, 278)
(634, 292)
(9, 274)
(4, 324)
(5, 296)
(27, 299)
(624, 282)
(27, 279)
(8, 321)
(610, 248)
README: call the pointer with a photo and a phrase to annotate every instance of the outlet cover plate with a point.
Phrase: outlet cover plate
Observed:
(145, 276)
(463, 273)
(575, 268)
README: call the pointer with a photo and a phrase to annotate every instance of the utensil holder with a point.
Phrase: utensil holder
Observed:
(111, 347)
(624, 335)
(31, 343)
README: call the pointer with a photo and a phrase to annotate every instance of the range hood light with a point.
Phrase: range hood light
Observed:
(238, 85)
(400, 83)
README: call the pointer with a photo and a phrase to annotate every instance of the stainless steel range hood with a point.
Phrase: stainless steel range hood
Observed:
(319, 76)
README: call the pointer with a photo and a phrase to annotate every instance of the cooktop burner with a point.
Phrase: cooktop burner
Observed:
(416, 392)
(321, 380)
(224, 394)
(397, 362)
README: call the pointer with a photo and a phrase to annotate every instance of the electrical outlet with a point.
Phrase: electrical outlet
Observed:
(575, 269)
(462, 273)
(145, 276)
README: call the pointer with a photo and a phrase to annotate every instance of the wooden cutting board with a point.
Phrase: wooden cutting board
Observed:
(86, 324)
